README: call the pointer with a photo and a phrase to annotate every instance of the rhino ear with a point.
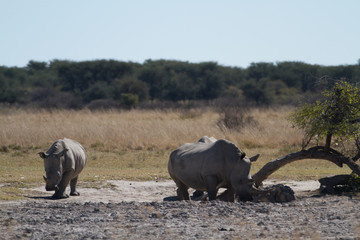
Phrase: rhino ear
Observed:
(42, 155)
(254, 158)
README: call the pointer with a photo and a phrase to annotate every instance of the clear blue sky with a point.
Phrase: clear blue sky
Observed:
(230, 32)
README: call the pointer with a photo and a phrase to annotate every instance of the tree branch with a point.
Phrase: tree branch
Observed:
(313, 153)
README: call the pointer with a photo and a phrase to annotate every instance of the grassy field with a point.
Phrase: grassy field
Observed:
(135, 145)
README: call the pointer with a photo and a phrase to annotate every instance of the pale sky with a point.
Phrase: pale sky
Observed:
(229, 32)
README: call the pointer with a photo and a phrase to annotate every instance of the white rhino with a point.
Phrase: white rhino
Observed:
(206, 139)
(63, 162)
(210, 164)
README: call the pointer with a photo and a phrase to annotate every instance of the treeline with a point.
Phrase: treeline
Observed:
(109, 83)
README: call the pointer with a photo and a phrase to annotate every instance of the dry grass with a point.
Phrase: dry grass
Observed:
(136, 144)
(110, 129)
(140, 129)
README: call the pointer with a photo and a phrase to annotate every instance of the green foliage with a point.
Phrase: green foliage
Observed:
(98, 90)
(176, 81)
(261, 70)
(129, 100)
(337, 114)
(36, 66)
(257, 91)
(162, 81)
(354, 182)
(77, 77)
(12, 85)
(233, 91)
(131, 85)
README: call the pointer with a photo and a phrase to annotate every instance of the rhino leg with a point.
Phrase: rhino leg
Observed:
(182, 189)
(211, 183)
(228, 195)
(182, 192)
(73, 183)
(60, 193)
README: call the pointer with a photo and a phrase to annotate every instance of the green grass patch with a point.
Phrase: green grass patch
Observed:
(11, 193)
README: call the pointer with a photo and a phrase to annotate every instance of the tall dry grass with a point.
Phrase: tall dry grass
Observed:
(136, 144)
(142, 129)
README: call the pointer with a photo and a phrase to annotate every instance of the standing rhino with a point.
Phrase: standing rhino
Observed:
(63, 162)
(210, 164)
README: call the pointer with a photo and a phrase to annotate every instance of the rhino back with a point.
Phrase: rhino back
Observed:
(56, 148)
(190, 163)
(206, 139)
(75, 157)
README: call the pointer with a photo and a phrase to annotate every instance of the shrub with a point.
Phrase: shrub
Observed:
(49, 98)
(103, 104)
(234, 114)
(129, 100)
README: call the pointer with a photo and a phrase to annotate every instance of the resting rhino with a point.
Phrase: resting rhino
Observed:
(206, 139)
(210, 164)
(63, 162)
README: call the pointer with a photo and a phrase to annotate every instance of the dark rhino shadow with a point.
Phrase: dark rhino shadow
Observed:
(41, 197)
(197, 195)
(170, 199)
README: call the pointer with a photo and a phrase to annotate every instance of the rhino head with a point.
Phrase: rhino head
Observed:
(243, 184)
(53, 168)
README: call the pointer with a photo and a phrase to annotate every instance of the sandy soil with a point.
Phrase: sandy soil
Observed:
(149, 191)
(137, 210)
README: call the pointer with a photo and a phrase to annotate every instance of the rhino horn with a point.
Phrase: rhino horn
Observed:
(254, 158)
(255, 191)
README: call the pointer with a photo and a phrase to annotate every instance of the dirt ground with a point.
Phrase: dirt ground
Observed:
(137, 210)
(149, 191)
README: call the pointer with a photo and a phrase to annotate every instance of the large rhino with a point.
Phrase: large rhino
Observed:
(210, 164)
(63, 162)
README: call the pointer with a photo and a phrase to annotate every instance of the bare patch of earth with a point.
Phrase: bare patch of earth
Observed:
(149, 191)
(136, 210)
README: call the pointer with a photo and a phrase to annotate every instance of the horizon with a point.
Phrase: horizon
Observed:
(184, 61)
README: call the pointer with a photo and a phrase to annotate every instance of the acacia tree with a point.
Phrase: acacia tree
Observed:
(335, 117)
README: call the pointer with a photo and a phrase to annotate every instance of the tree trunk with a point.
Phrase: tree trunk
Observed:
(328, 141)
(312, 153)
(334, 180)
(352, 165)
